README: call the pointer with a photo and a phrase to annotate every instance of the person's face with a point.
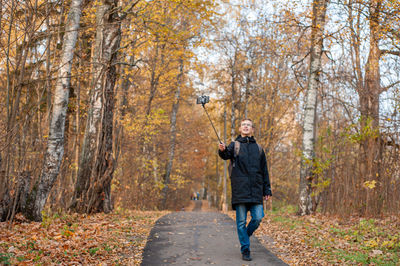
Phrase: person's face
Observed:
(246, 128)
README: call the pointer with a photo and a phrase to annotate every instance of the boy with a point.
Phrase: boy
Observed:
(249, 182)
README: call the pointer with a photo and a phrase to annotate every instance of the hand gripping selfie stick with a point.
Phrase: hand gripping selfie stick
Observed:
(203, 100)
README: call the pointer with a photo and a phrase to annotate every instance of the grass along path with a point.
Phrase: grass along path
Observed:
(324, 240)
(101, 239)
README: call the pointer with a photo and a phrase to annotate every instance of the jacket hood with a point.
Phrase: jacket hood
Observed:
(245, 139)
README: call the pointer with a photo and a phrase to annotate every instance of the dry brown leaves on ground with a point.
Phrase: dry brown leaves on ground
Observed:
(327, 240)
(100, 239)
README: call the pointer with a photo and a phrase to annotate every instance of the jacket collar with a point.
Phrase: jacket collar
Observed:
(245, 139)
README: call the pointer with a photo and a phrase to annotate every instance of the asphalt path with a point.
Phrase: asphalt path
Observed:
(200, 238)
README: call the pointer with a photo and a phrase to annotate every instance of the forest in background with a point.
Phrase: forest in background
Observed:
(99, 106)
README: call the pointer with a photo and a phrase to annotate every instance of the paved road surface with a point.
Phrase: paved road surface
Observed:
(200, 238)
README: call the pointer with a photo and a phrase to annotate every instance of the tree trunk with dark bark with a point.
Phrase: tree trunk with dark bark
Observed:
(369, 108)
(93, 186)
(233, 91)
(171, 152)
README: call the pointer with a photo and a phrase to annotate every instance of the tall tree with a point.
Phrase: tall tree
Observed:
(309, 123)
(234, 79)
(55, 145)
(172, 142)
(369, 88)
(96, 166)
(369, 105)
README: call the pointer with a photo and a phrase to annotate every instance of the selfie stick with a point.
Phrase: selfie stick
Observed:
(211, 123)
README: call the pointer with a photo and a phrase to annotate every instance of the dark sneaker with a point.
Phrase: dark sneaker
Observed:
(246, 255)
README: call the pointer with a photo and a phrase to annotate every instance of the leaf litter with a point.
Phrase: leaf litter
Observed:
(328, 240)
(119, 239)
(77, 239)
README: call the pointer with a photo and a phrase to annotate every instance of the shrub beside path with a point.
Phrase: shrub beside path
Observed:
(198, 237)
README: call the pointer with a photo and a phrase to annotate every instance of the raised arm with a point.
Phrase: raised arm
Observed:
(224, 152)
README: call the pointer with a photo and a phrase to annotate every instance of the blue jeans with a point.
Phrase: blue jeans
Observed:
(244, 232)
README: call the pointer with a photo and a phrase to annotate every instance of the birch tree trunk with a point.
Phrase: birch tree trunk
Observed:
(48, 65)
(308, 152)
(55, 145)
(86, 160)
(171, 152)
(96, 167)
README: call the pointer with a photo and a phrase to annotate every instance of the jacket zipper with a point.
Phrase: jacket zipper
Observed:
(248, 163)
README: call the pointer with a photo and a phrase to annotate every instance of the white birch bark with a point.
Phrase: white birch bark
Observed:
(309, 126)
(100, 193)
(92, 191)
(93, 116)
(55, 144)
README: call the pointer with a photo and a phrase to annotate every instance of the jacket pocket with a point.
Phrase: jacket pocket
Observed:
(240, 188)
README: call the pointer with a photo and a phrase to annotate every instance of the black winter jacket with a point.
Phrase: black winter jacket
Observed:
(249, 177)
